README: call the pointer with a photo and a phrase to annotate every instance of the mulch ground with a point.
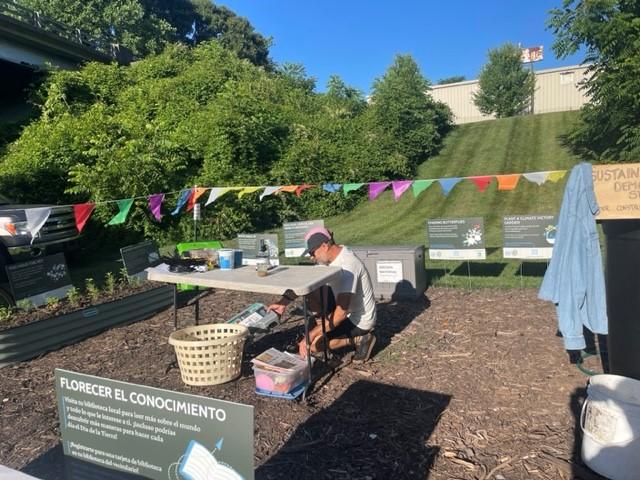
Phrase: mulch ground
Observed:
(462, 385)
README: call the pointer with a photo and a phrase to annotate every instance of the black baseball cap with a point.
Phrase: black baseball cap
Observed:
(316, 237)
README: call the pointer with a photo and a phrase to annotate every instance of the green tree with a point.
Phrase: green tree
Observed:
(147, 26)
(454, 79)
(610, 30)
(505, 85)
(408, 123)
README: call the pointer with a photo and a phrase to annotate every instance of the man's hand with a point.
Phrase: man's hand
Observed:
(302, 348)
(276, 307)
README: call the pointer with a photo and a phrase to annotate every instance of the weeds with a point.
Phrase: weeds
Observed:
(73, 295)
(110, 283)
(25, 305)
(52, 302)
(5, 313)
(92, 291)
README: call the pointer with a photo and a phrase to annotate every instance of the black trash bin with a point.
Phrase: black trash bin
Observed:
(622, 278)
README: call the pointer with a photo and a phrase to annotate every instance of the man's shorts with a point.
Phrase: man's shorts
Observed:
(346, 329)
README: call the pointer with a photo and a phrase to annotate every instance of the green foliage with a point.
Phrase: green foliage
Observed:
(74, 296)
(610, 31)
(505, 84)
(110, 283)
(454, 79)
(202, 116)
(5, 313)
(92, 291)
(148, 26)
(408, 125)
(52, 302)
(25, 305)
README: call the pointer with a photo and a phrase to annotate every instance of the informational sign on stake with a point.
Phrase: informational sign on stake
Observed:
(154, 433)
(254, 245)
(294, 232)
(456, 238)
(39, 279)
(528, 237)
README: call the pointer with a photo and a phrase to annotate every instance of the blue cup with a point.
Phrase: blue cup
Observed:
(237, 258)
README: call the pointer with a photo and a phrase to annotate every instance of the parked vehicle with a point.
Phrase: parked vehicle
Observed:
(59, 233)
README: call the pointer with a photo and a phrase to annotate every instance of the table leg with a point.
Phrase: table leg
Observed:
(308, 342)
(175, 306)
(322, 319)
(197, 313)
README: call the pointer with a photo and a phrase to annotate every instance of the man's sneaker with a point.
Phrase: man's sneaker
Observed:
(364, 347)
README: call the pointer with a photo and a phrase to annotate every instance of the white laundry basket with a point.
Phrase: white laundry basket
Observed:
(610, 422)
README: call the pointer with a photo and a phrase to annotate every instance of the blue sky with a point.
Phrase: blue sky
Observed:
(358, 39)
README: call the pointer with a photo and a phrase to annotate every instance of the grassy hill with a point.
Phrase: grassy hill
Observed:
(511, 145)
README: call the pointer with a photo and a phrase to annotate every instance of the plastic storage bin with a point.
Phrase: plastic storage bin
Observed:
(396, 271)
(277, 382)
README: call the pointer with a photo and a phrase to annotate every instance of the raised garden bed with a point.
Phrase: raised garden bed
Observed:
(34, 333)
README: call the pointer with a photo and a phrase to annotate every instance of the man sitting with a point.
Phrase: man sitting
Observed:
(351, 312)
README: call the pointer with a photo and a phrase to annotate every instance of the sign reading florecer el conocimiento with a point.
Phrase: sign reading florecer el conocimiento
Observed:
(154, 433)
(617, 189)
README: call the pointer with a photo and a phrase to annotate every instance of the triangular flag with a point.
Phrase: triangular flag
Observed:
(121, 216)
(508, 182)
(184, 198)
(332, 187)
(376, 188)
(420, 186)
(447, 184)
(155, 205)
(288, 188)
(557, 175)
(399, 187)
(217, 192)
(302, 188)
(268, 191)
(82, 212)
(197, 193)
(536, 177)
(481, 182)
(349, 187)
(36, 218)
(246, 190)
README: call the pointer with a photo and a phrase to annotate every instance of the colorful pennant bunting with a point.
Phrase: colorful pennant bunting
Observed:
(536, 177)
(420, 186)
(556, 176)
(82, 212)
(376, 188)
(124, 206)
(508, 182)
(155, 205)
(447, 184)
(350, 187)
(302, 188)
(332, 187)
(36, 218)
(399, 187)
(268, 191)
(244, 191)
(182, 200)
(217, 192)
(288, 189)
(481, 182)
(197, 193)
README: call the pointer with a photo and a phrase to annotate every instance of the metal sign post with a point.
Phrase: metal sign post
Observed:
(197, 215)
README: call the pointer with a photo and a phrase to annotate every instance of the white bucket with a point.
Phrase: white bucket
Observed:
(610, 422)
(225, 258)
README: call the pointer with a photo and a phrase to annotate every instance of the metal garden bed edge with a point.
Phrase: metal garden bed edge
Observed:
(28, 341)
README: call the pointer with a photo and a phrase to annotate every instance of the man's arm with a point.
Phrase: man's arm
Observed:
(280, 306)
(340, 314)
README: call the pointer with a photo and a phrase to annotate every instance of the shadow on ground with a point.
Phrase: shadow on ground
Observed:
(372, 430)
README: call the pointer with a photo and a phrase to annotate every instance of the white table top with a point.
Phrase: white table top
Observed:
(302, 280)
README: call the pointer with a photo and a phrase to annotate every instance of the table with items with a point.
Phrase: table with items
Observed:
(301, 280)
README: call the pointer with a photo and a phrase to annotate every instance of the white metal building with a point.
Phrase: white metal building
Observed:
(557, 90)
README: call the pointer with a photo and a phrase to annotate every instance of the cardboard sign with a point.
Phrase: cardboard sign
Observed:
(528, 236)
(154, 433)
(39, 279)
(252, 243)
(294, 233)
(617, 189)
(140, 256)
(456, 238)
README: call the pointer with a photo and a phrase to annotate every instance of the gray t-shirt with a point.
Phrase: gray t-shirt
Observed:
(355, 280)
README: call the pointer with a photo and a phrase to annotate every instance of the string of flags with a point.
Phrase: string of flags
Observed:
(37, 217)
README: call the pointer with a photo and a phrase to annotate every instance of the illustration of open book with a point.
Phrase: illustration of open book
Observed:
(200, 464)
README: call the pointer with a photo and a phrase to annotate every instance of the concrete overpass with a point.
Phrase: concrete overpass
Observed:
(31, 43)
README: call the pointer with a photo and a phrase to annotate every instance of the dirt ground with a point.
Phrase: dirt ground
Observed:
(462, 385)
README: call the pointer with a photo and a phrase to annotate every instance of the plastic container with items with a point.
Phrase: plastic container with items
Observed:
(280, 373)
(209, 354)
(256, 318)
